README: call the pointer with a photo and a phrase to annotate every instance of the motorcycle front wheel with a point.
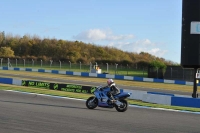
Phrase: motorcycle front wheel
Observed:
(123, 107)
(91, 102)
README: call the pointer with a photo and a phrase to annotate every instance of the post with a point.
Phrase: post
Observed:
(8, 62)
(51, 61)
(194, 94)
(171, 72)
(80, 65)
(157, 72)
(115, 68)
(90, 66)
(24, 62)
(143, 71)
(41, 63)
(60, 64)
(1, 61)
(127, 69)
(69, 65)
(16, 62)
(107, 67)
(32, 62)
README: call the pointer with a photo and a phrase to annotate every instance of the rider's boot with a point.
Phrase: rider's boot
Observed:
(112, 99)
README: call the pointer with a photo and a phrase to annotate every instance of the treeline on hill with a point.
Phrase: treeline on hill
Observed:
(33, 47)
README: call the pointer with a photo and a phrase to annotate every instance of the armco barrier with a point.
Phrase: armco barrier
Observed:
(86, 74)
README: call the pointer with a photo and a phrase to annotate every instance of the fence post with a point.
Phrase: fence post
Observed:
(115, 68)
(41, 63)
(1, 61)
(24, 62)
(127, 69)
(69, 65)
(90, 67)
(60, 64)
(143, 71)
(171, 72)
(157, 71)
(51, 61)
(8, 62)
(107, 67)
(16, 62)
(32, 62)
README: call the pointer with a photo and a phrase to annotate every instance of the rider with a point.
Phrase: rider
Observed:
(113, 89)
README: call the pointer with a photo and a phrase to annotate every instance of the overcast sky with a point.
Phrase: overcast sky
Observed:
(152, 26)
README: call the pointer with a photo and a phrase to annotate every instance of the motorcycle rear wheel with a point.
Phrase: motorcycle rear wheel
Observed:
(123, 107)
(91, 104)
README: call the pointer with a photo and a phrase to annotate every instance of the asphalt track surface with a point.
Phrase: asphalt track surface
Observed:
(32, 113)
(67, 79)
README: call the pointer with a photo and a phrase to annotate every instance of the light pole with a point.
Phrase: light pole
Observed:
(80, 65)
(107, 67)
(69, 65)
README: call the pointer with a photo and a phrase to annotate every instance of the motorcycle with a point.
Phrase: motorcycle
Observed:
(101, 99)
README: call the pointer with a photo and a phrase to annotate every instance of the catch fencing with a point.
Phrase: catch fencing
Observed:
(171, 72)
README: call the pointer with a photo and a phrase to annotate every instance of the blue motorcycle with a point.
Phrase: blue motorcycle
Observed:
(101, 99)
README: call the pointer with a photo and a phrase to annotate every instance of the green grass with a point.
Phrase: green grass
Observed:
(85, 96)
(84, 68)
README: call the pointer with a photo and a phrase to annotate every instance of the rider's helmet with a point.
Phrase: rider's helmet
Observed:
(110, 81)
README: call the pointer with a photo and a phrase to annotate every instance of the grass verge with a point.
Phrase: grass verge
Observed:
(85, 96)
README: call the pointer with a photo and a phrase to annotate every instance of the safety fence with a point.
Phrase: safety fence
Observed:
(111, 68)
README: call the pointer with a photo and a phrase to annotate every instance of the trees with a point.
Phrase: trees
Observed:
(158, 64)
(33, 46)
(6, 52)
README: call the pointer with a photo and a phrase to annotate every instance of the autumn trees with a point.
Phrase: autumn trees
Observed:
(52, 49)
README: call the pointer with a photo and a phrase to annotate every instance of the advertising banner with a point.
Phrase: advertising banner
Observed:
(59, 86)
